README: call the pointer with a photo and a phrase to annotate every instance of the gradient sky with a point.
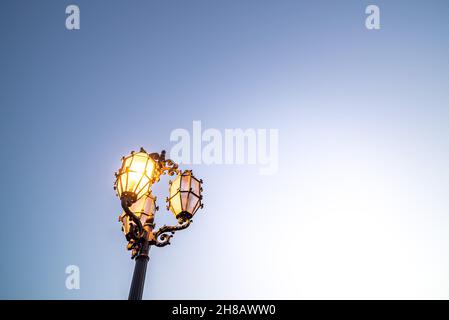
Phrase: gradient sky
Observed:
(358, 209)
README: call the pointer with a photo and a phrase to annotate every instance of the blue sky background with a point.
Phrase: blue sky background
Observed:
(358, 209)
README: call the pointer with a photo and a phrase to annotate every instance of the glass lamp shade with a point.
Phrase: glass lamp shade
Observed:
(185, 195)
(136, 174)
(142, 208)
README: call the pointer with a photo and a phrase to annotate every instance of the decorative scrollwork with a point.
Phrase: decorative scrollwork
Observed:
(165, 166)
(126, 203)
(169, 167)
(162, 238)
(135, 247)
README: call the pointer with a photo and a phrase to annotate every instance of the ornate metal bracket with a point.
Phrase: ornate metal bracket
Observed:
(165, 166)
(162, 238)
(126, 203)
(138, 237)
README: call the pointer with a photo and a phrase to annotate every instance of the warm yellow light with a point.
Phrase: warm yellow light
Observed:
(136, 174)
(175, 200)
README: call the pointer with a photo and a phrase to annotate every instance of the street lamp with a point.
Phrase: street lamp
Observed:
(139, 171)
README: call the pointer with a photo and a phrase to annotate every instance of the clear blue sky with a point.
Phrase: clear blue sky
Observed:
(358, 209)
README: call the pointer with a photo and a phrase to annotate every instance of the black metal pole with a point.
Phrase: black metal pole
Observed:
(140, 269)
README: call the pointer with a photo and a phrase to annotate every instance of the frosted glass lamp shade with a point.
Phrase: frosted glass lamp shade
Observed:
(136, 175)
(185, 195)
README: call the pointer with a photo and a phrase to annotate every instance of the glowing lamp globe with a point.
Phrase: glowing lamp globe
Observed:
(185, 195)
(135, 176)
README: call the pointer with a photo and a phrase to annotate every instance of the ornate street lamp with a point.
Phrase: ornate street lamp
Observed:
(139, 171)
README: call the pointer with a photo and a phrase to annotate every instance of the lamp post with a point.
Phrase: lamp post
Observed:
(139, 171)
